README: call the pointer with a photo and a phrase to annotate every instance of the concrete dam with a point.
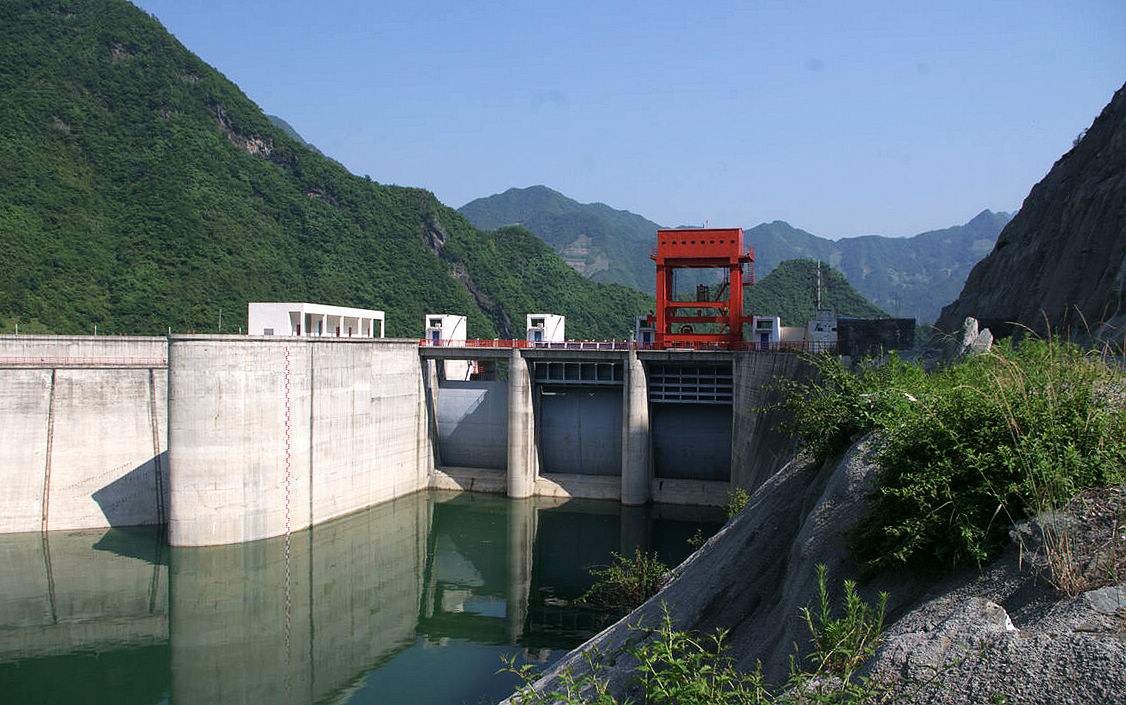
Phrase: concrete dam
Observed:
(230, 439)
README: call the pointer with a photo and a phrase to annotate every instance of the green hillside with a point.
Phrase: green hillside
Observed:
(790, 291)
(602, 243)
(142, 190)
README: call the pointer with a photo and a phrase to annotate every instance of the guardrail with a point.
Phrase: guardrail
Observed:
(694, 346)
(114, 362)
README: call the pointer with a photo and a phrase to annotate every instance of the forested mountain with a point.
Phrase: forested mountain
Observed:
(598, 241)
(790, 291)
(913, 276)
(142, 190)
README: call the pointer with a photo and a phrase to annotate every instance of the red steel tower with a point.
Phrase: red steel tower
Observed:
(721, 310)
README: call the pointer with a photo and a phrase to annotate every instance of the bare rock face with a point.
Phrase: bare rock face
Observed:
(972, 341)
(1061, 262)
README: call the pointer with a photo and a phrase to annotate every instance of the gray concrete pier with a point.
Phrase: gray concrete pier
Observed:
(637, 473)
(523, 458)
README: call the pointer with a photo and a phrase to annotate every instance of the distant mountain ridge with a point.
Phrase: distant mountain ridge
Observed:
(292, 132)
(906, 276)
(789, 292)
(598, 241)
(909, 276)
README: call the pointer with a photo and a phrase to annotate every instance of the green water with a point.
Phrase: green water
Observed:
(414, 601)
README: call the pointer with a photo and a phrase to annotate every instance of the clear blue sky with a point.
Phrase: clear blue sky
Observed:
(843, 118)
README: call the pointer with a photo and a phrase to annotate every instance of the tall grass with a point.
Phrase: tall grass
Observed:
(969, 448)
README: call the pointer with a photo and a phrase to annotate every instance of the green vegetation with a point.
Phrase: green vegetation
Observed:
(790, 291)
(685, 668)
(843, 644)
(737, 498)
(605, 244)
(142, 190)
(627, 582)
(967, 449)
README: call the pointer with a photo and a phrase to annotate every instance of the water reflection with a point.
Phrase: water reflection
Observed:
(413, 601)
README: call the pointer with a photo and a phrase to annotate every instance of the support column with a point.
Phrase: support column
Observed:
(521, 549)
(523, 465)
(429, 411)
(636, 466)
(635, 530)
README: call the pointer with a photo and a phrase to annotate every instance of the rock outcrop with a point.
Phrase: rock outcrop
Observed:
(1061, 261)
(1000, 634)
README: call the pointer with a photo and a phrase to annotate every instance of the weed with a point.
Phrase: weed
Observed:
(737, 498)
(1084, 545)
(842, 644)
(627, 582)
(586, 689)
(676, 667)
(697, 539)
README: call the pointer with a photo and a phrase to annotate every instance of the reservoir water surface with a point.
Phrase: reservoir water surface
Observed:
(413, 601)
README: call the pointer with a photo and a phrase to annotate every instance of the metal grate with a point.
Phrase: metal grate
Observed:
(582, 373)
(690, 384)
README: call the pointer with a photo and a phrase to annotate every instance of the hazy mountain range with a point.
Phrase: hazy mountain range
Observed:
(909, 276)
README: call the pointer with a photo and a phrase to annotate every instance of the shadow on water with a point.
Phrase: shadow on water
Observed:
(413, 601)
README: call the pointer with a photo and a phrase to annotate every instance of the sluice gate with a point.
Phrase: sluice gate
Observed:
(579, 416)
(614, 424)
(690, 419)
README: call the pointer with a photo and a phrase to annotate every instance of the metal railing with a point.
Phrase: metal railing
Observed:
(46, 361)
(694, 346)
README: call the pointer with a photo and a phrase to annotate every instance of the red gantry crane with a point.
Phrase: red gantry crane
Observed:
(713, 319)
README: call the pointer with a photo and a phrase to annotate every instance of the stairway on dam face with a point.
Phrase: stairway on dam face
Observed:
(229, 439)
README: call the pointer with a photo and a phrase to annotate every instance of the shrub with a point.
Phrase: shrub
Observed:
(736, 500)
(969, 448)
(840, 405)
(627, 582)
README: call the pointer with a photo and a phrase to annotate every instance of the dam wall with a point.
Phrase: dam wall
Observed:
(759, 446)
(85, 427)
(228, 439)
(271, 435)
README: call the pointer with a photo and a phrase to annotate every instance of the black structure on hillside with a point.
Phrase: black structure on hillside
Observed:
(872, 337)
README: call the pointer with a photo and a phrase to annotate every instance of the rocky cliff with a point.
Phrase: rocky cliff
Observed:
(1061, 262)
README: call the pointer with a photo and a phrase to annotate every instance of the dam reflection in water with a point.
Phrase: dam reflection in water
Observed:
(413, 601)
